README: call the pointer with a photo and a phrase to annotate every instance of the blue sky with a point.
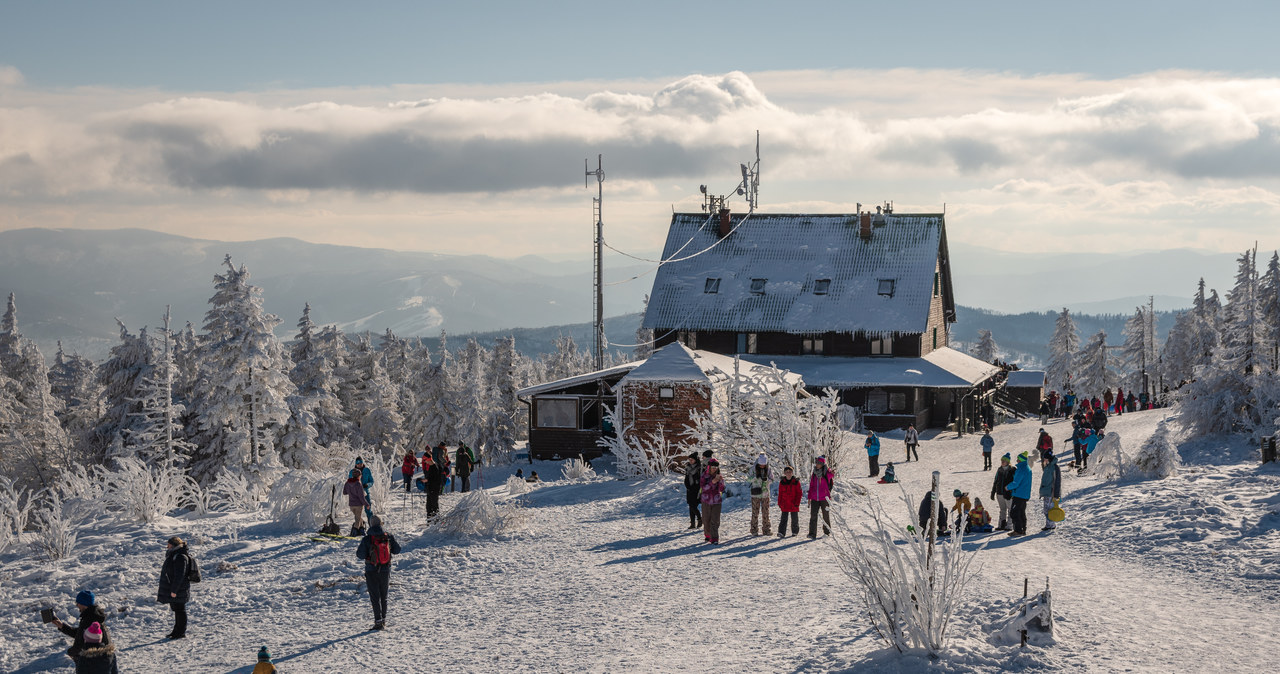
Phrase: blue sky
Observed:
(461, 128)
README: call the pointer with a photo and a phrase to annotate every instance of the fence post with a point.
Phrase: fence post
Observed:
(1026, 586)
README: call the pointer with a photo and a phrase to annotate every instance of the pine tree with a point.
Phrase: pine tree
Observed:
(986, 349)
(1062, 352)
(1270, 300)
(1181, 349)
(73, 381)
(374, 402)
(39, 450)
(644, 337)
(240, 404)
(1095, 369)
(469, 391)
(1138, 354)
(501, 428)
(315, 357)
(120, 377)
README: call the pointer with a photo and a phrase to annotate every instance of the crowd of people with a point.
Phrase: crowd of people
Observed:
(1116, 402)
(705, 487)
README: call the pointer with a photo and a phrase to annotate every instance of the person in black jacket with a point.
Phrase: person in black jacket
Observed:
(462, 466)
(377, 574)
(435, 483)
(693, 490)
(1099, 419)
(90, 613)
(175, 587)
(1000, 491)
(925, 509)
(99, 654)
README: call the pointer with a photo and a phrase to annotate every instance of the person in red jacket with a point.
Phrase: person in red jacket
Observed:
(789, 496)
(1045, 443)
(407, 469)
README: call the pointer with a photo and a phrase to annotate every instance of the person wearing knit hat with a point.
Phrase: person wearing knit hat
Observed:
(759, 484)
(264, 665)
(175, 584)
(98, 655)
(821, 482)
(693, 490)
(961, 508)
(1000, 491)
(90, 613)
(1020, 488)
(376, 550)
(712, 497)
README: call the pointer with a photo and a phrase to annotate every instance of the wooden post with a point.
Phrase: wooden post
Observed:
(933, 524)
(1026, 586)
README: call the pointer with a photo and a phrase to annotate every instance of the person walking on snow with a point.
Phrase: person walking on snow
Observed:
(712, 497)
(693, 489)
(435, 484)
(1119, 401)
(790, 493)
(264, 666)
(1000, 489)
(407, 468)
(821, 482)
(375, 550)
(366, 482)
(357, 500)
(912, 440)
(463, 465)
(1044, 443)
(1044, 411)
(873, 452)
(1050, 487)
(988, 443)
(90, 613)
(175, 584)
(1020, 491)
(759, 484)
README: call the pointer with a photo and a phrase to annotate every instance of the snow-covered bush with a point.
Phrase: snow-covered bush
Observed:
(144, 493)
(515, 486)
(15, 509)
(1109, 461)
(476, 514)
(635, 456)
(302, 499)
(233, 493)
(576, 470)
(1158, 457)
(380, 492)
(911, 590)
(56, 524)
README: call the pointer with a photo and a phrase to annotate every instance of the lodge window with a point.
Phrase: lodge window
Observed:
(886, 287)
(935, 338)
(746, 342)
(689, 338)
(882, 346)
(877, 402)
(937, 283)
(812, 347)
(821, 286)
(712, 286)
(666, 393)
(757, 285)
(557, 413)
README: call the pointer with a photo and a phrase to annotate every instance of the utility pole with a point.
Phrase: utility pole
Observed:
(597, 204)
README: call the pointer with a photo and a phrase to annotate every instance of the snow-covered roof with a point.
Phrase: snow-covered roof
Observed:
(941, 368)
(677, 362)
(570, 382)
(1025, 379)
(791, 253)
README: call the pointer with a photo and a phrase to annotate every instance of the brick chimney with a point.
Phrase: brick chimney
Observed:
(725, 225)
(864, 220)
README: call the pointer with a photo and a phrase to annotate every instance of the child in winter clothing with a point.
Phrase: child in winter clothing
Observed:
(1050, 487)
(693, 489)
(759, 484)
(99, 654)
(988, 443)
(789, 497)
(712, 497)
(979, 519)
(264, 665)
(889, 476)
(821, 482)
(357, 500)
(961, 508)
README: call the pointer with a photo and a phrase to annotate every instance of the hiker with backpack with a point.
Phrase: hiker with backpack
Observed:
(376, 549)
(177, 573)
(357, 500)
(407, 468)
(463, 465)
(366, 481)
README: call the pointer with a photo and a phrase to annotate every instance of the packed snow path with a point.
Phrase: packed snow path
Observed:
(607, 579)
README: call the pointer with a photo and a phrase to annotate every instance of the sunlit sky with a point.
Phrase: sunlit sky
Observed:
(462, 127)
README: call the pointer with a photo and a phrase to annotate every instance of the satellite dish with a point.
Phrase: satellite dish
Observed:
(702, 188)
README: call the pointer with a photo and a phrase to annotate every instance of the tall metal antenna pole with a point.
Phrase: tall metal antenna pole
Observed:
(598, 208)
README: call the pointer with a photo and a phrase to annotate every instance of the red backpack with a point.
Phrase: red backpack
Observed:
(381, 550)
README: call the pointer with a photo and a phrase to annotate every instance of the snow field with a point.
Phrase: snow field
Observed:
(605, 578)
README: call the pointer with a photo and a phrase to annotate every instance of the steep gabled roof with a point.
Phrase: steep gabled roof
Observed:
(940, 368)
(792, 252)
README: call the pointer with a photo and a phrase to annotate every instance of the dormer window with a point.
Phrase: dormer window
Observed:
(882, 346)
(886, 287)
(757, 285)
(821, 286)
(712, 286)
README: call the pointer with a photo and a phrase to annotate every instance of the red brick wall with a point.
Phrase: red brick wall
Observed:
(644, 412)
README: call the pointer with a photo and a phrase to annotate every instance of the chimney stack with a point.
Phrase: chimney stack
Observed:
(725, 226)
(864, 220)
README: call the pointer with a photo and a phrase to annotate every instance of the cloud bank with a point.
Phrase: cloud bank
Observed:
(1172, 150)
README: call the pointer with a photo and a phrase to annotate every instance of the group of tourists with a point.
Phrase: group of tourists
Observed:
(439, 468)
(92, 649)
(705, 489)
(1112, 402)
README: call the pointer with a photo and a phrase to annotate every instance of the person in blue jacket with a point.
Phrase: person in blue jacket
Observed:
(873, 452)
(1050, 486)
(1020, 491)
(366, 481)
(988, 443)
(1091, 440)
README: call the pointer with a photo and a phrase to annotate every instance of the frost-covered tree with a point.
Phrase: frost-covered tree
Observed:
(644, 337)
(157, 435)
(315, 357)
(1139, 352)
(120, 377)
(1270, 301)
(240, 404)
(39, 450)
(986, 349)
(1062, 352)
(374, 405)
(501, 429)
(439, 412)
(73, 381)
(1181, 350)
(1095, 369)
(567, 360)
(470, 390)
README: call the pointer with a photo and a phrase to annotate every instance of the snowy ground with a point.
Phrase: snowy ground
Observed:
(1157, 576)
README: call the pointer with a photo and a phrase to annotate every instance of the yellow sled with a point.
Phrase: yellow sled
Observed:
(1056, 514)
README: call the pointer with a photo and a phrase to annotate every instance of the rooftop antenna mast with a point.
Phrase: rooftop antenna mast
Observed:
(597, 205)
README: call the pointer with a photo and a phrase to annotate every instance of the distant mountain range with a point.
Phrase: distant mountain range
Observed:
(72, 284)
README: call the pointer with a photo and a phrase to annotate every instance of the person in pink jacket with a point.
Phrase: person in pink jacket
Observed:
(820, 484)
(712, 496)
